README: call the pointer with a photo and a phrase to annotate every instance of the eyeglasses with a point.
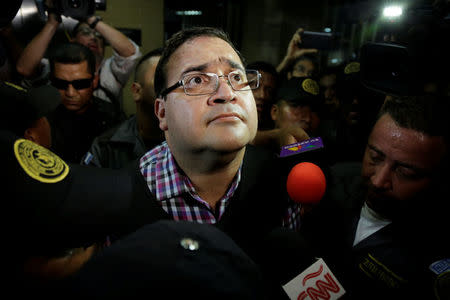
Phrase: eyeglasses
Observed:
(196, 84)
(87, 31)
(78, 84)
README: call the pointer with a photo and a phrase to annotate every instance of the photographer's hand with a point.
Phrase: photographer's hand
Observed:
(294, 51)
(29, 61)
(53, 16)
(118, 41)
(279, 137)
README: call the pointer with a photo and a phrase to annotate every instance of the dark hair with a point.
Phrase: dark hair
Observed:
(265, 67)
(427, 114)
(72, 53)
(177, 40)
(308, 57)
(138, 69)
(75, 28)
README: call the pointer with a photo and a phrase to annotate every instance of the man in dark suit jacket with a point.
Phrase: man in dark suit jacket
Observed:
(378, 226)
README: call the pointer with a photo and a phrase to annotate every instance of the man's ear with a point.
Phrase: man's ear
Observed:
(95, 81)
(29, 134)
(274, 112)
(160, 112)
(136, 92)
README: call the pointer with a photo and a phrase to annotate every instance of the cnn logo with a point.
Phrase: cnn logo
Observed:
(316, 282)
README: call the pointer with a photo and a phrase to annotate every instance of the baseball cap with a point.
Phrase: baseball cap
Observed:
(20, 107)
(299, 91)
(57, 205)
(177, 259)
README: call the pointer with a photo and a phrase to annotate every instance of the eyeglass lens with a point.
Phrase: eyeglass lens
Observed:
(205, 83)
(87, 31)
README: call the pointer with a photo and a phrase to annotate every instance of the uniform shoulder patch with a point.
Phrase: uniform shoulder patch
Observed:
(40, 163)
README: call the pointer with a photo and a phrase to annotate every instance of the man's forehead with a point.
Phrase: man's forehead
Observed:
(407, 144)
(204, 52)
(71, 69)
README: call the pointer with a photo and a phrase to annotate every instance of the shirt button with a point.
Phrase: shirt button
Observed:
(189, 244)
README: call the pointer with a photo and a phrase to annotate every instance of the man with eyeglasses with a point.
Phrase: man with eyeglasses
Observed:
(81, 116)
(206, 171)
(93, 32)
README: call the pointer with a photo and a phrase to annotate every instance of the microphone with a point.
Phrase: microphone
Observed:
(306, 183)
(292, 271)
(311, 151)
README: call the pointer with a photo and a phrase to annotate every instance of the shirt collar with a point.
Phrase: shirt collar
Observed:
(166, 180)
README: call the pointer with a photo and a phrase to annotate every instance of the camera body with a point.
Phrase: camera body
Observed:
(415, 64)
(318, 40)
(77, 9)
(387, 68)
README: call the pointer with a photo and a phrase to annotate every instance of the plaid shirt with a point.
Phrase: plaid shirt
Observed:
(177, 195)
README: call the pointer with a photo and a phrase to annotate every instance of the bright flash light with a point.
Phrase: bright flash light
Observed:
(392, 11)
(188, 12)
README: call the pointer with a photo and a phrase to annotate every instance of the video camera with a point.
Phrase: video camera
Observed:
(410, 65)
(76, 9)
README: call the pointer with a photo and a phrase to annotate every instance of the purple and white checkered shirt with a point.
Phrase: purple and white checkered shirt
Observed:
(177, 196)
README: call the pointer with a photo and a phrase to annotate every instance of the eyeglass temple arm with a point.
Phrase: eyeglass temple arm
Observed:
(171, 88)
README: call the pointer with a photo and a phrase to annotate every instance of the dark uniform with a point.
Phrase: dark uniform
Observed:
(72, 134)
(391, 263)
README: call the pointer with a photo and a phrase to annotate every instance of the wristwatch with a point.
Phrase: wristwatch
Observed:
(93, 24)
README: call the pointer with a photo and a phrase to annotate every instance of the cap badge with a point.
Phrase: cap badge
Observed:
(39, 162)
(310, 86)
(352, 67)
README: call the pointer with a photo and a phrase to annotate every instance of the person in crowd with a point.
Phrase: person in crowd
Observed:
(25, 114)
(296, 100)
(298, 61)
(295, 114)
(207, 111)
(265, 93)
(205, 171)
(132, 138)
(328, 86)
(375, 215)
(81, 116)
(93, 33)
(348, 131)
(25, 111)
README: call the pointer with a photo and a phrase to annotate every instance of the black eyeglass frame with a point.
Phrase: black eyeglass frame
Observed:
(181, 83)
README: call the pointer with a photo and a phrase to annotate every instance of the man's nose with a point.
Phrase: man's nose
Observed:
(70, 90)
(382, 177)
(224, 93)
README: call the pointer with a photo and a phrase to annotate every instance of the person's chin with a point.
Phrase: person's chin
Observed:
(233, 141)
(72, 107)
(382, 204)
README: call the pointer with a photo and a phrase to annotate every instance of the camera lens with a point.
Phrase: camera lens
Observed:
(74, 3)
